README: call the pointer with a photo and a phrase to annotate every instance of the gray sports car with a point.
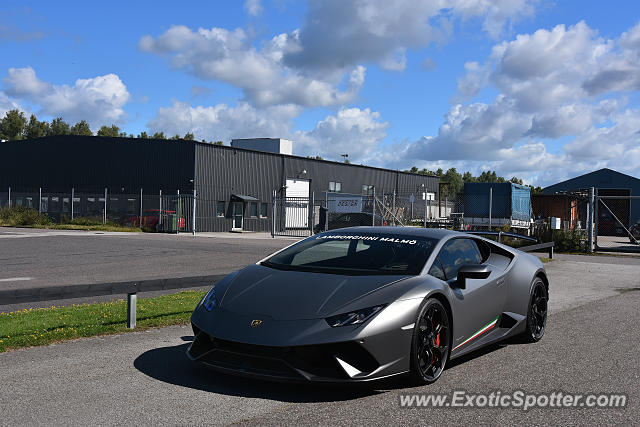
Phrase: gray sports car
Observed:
(366, 303)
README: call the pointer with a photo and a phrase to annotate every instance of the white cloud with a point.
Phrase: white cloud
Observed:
(220, 54)
(566, 82)
(338, 34)
(355, 131)
(253, 7)
(98, 100)
(7, 104)
(222, 122)
(351, 131)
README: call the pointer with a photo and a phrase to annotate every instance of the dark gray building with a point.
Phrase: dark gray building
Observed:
(235, 186)
(609, 183)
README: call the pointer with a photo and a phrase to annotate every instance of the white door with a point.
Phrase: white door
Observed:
(297, 203)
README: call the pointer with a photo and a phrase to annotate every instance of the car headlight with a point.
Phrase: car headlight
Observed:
(353, 317)
(210, 301)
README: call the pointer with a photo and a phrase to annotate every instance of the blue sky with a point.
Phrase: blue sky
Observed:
(538, 89)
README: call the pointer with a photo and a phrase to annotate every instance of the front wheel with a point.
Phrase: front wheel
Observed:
(431, 342)
(537, 312)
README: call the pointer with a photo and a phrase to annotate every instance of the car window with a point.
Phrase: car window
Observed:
(437, 271)
(356, 254)
(456, 253)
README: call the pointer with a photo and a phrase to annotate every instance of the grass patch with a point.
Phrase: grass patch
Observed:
(95, 227)
(22, 216)
(546, 259)
(43, 326)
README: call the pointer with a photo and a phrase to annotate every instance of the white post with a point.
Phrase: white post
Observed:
(40, 200)
(9, 196)
(193, 214)
(490, 204)
(131, 310)
(590, 220)
(104, 216)
(140, 208)
(73, 196)
(373, 207)
(178, 214)
(425, 207)
(159, 211)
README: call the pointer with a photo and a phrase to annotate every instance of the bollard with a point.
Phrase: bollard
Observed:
(131, 311)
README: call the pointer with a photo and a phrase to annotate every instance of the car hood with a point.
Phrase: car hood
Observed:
(291, 295)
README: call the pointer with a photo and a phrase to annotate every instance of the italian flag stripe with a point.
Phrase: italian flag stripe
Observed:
(481, 331)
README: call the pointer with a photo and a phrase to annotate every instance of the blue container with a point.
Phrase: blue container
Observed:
(510, 201)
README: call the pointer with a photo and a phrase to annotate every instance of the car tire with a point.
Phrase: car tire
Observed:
(430, 343)
(536, 312)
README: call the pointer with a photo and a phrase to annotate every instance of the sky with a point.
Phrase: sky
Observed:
(540, 90)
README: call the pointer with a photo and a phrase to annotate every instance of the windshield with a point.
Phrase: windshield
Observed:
(356, 254)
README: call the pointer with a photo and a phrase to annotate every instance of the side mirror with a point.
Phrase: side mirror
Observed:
(472, 271)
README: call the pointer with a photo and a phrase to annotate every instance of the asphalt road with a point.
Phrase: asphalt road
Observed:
(144, 377)
(49, 258)
(32, 258)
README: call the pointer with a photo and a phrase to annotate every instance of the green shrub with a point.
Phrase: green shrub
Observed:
(21, 216)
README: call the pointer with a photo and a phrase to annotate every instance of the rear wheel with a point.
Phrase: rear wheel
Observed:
(430, 345)
(537, 312)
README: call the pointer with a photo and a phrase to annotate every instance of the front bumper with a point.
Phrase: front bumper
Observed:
(337, 362)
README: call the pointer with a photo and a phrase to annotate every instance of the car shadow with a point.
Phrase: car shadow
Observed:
(171, 365)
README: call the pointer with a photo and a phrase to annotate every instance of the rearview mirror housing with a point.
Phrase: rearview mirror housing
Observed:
(472, 271)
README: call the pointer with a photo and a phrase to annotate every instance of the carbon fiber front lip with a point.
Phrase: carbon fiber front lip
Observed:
(279, 367)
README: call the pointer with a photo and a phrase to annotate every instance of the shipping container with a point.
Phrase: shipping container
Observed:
(497, 204)
(561, 206)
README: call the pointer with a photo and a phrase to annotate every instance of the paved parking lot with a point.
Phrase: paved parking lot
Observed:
(145, 378)
(34, 258)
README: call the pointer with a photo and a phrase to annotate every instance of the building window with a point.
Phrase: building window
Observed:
(335, 186)
(253, 209)
(263, 210)
(367, 190)
(220, 208)
(54, 204)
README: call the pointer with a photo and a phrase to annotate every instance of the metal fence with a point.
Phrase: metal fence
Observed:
(160, 212)
(616, 228)
(293, 216)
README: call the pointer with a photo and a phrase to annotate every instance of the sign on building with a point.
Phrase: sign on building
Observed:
(344, 203)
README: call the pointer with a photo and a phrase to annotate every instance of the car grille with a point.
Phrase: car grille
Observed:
(313, 362)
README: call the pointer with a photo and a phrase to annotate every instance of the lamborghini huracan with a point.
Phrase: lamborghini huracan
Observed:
(365, 303)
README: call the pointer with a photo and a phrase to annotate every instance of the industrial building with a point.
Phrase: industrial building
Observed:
(617, 190)
(235, 186)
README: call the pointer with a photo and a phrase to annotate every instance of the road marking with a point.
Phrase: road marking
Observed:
(16, 279)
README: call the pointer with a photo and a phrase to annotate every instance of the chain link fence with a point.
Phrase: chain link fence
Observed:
(157, 212)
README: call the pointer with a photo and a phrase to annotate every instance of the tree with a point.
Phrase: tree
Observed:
(159, 135)
(59, 127)
(35, 128)
(112, 131)
(175, 137)
(12, 125)
(143, 135)
(81, 128)
(123, 134)
(218, 143)
(454, 179)
(188, 136)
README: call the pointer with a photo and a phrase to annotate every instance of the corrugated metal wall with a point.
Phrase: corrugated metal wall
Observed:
(222, 171)
(89, 164)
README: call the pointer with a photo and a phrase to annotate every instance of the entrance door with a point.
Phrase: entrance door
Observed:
(297, 204)
(237, 215)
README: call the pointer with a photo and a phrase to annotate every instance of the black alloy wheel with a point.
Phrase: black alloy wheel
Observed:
(431, 342)
(537, 312)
